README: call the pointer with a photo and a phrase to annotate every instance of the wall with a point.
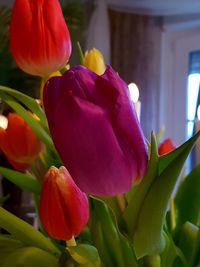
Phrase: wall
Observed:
(136, 49)
(177, 43)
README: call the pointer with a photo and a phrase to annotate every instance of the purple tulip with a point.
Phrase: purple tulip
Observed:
(95, 130)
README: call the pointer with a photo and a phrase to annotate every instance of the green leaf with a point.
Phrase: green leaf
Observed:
(35, 125)
(99, 242)
(152, 261)
(24, 181)
(171, 253)
(24, 232)
(189, 243)
(80, 53)
(113, 204)
(188, 196)
(196, 258)
(7, 244)
(167, 159)
(148, 237)
(14, 253)
(85, 255)
(138, 195)
(28, 257)
(113, 245)
(28, 101)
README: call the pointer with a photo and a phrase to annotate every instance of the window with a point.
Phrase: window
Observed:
(193, 99)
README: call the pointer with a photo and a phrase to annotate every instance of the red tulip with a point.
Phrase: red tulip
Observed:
(19, 143)
(95, 130)
(165, 147)
(64, 209)
(39, 38)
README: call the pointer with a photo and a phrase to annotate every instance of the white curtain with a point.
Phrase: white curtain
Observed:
(98, 34)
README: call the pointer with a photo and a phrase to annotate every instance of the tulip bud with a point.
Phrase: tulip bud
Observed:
(39, 38)
(95, 130)
(64, 209)
(94, 61)
(19, 143)
(165, 147)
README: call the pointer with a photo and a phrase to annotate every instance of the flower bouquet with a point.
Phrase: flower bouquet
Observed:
(102, 192)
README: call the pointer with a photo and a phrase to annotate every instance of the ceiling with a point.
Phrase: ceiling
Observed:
(150, 7)
(157, 7)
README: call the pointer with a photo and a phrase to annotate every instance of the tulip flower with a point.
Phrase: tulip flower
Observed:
(39, 38)
(19, 143)
(94, 61)
(64, 208)
(165, 147)
(95, 130)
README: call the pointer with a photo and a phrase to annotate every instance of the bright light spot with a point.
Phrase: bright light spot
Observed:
(134, 92)
(198, 113)
(190, 129)
(3, 122)
(193, 90)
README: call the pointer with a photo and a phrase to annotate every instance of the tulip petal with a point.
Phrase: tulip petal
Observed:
(19, 143)
(95, 130)
(91, 150)
(49, 48)
(126, 118)
(64, 208)
(54, 95)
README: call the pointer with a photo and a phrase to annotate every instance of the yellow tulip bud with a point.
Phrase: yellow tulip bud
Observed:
(94, 61)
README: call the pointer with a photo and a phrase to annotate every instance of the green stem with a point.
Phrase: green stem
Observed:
(71, 242)
(172, 214)
(80, 53)
(152, 261)
(121, 202)
(25, 232)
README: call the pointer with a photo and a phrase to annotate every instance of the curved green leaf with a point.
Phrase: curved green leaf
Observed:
(188, 196)
(167, 159)
(35, 125)
(120, 251)
(28, 257)
(171, 253)
(189, 242)
(7, 244)
(148, 238)
(24, 232)
(132, 211)
(28, 101)
(85, 255)
(24, 181)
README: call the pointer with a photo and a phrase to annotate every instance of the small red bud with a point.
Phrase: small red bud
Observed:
(19, 143)
(165, 147)
(64, 209)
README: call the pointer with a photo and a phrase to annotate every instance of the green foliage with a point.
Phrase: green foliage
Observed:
(114, 249)
(147, 210)
(14, 253)
(29, 102)
(25, 233)
(42, 134)
(132, 211)
(171, 254)
(189, 243)
(85, 255)
(24, 181)
(188, 199)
